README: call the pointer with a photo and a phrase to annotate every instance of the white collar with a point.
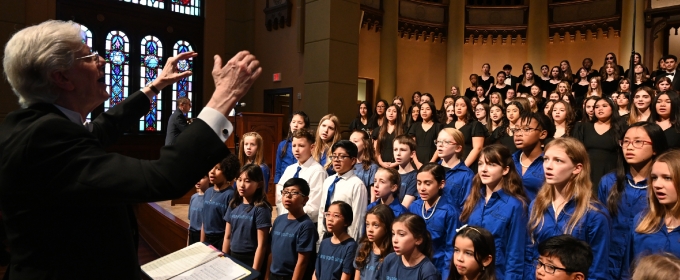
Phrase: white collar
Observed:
(71, 115)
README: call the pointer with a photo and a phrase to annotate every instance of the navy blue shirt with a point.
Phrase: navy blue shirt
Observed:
(214, 207)
(534, 177)
(285, 161)
(593, 228)
(408, 185)
(371, 270)
(245, 220)
(366, 176)
(458, 185)
(633, 200)
(195, 209)
(335, 259)
(506, 218)
(643, 244)
(393, 268)
(396, 207)
(442, 222)
(288, 238)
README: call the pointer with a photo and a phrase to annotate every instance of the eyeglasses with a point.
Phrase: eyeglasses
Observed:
(638, 144)
(338, 157)
(548, 268)
(444, 142)
(292, 194)
(610, 58)
(480, 110)
(525, 130)
(328, 215)
(94, 56)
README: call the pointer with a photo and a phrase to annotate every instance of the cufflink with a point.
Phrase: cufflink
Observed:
(225, 132)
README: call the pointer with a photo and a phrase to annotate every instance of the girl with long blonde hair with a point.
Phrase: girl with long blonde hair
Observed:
(326, 135)
(252, 151)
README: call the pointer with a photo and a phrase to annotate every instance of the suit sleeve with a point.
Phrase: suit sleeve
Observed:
(108, 126)
(181, 122)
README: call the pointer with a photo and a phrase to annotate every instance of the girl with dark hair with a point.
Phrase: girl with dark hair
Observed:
(660, 68)
(248, 220)
(481, 95)
(545, 75)
(497, 118)
(600, 138)
(624, 191)
(610, 57)
(556, 77)
(642, 103)
(580, 87)
(366, 166)
(441, 219)
(216, 200)
(567, 74)
(588, 109)
(413, 116)
(385, 135)
(595, 88)
(474, 83)
(427, 97)
(663, 84)
(378, 117)
(482, 115)
(637, 60)
(284, 152)
(340, 246)
(415, 98)
(441, 114)
(425, 132)
(474, 255)
(412, 251)
(497, 202)
(473, 131)
(623, 102)
(527, 81)
(623, 87)
(499, 86)
(666, 113)
(485, 79)
(376, 244)
(563, 117)
(640, 78)
(399, 101)
(610, 79)
(565, 205)
(363, 119)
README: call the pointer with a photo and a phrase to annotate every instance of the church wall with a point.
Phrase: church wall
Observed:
(421, 66)
(369, 56)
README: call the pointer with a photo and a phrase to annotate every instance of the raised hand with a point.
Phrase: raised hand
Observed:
(171, 73)
(233, 80)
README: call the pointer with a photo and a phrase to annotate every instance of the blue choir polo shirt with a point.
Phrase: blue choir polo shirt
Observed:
(394, 269)
(245, 220)
(442, 222)
(335, 259)
(534, 177)
(214, 207)
(195, 211)
(458, 185)
(408, 185)
(288, 238)
(396, 207)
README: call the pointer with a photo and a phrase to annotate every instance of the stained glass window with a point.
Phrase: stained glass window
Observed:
(86, 35)
(116, 70)
(151, 3)
(189, 7)
(183, 88)
(151, 58)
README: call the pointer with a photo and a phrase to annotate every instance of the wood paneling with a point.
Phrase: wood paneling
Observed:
(164, 232)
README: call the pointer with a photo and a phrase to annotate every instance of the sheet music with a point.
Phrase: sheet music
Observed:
(217, 269)
(180, 261)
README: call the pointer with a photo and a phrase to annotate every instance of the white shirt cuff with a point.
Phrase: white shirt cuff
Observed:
(218, 122)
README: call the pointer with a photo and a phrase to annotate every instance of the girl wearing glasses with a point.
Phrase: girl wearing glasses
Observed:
(473, 131)
(498, 203)
(601, 138)
(666, 114)
(657, 228)
(624, 191)
(341, 246)
(378, 117)
(450, 146)
(565, 205)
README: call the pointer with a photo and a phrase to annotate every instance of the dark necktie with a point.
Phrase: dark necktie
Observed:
(331, 189)
(297, 173)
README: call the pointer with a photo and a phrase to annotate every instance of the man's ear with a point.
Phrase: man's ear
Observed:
(60, 80)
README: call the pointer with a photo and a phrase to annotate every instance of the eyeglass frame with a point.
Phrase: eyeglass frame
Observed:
(328, 213)
(524, 130)
(624, 145)
(339, 157)
(444, 142)
(538, 264)
(94, 54)
(291, 194)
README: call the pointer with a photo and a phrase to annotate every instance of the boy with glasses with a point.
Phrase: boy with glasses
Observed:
(530, 136)
(344, 186)
(563, 257)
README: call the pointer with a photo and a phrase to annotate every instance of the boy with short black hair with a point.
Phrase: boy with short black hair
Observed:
(563, 257)
(344, 186)
(404, 149)
(293, 235)
(533, 131)
(306, 168)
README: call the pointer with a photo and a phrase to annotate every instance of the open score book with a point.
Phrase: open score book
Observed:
(197, 261)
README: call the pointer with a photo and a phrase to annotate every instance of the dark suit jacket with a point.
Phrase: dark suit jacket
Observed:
(64, 199)
(176, 124)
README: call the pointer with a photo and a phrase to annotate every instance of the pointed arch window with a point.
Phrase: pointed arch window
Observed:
(150, 3)
(151, 65)
(116, 70)
(183, 88)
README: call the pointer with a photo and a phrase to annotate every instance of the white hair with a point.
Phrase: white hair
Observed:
(34, 53)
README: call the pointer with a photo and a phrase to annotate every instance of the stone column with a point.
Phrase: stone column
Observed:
(331, 59)
(387, 87)
(454, 46)
(537, 34)
(626, 34)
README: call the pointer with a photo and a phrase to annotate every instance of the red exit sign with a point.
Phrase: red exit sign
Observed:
(276, 77)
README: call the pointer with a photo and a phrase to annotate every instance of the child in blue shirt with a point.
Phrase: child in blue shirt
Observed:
(248, 219)
(386, 189)
(216, 199)
(530, 134)
(284, 152)
(441, 218)
(565, 205)
(336, 254)
(365, 167)
(252, 151)
(497, 203)
(293, 235)
(450, 145)
(473, 254)
(412, 251)
(376, 243)
(404, 148)
(195, 211)
(563, 257)
(624, 191)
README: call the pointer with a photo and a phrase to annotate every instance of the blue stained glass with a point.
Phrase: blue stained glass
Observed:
(116, 70)
(183, 87)
(86, 35)
(151, 62)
